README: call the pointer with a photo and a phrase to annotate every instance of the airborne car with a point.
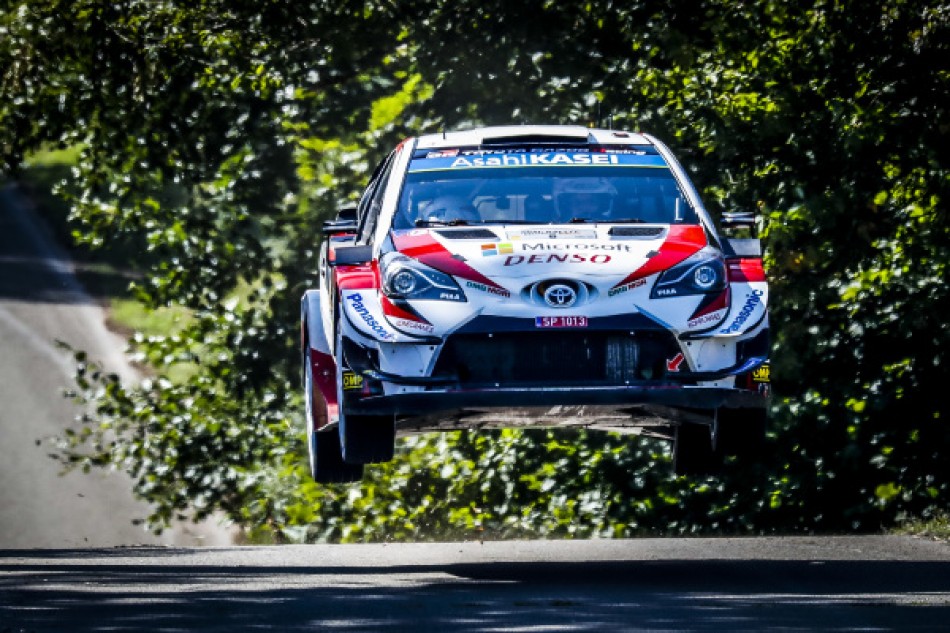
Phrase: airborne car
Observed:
(533, 276)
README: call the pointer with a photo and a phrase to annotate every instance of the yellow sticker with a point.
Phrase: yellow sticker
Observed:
(352, 381)
(761, 374)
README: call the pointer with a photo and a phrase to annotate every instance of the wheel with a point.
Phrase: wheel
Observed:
(364, 439)
(741, 432)
(326, 458)
(693, 450)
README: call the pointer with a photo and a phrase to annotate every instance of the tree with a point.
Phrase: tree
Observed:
(222, 133)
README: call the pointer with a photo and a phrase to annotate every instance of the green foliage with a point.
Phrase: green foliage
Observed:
(219, 134)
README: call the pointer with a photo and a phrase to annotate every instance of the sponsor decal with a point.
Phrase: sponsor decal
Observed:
(705, 319)
(492, 290)
(562, 258)
(667, 292)
(490, 250)
(561, 322)
(453, 159)
(352, 381)
(673, 364)
(636, 283)
(553, 234)
(762, 373)
(522, 160)
(543, 246)
(358, 307)
(751, 301)
(408, 324)
(507, 248)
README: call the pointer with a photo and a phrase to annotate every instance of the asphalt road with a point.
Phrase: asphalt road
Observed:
(41, 302)
(787, 584)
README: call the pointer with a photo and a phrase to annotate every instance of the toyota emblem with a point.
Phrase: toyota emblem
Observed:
(560, 296)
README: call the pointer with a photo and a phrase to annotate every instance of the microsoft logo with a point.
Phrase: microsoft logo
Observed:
(489, 250)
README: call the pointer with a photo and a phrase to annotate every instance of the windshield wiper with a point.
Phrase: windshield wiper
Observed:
(508, 222)
(452, 222)
(608, 221)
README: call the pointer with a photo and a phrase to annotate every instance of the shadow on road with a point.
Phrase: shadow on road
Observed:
(35, 269)
(662, 595)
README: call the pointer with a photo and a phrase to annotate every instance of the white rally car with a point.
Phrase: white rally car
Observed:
(533, 276)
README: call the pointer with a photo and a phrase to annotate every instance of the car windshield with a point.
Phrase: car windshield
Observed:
(456, 187)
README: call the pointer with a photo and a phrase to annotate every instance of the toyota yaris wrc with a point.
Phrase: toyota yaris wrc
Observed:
(533, 276)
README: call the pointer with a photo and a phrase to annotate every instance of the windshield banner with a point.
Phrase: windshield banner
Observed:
(439, 161)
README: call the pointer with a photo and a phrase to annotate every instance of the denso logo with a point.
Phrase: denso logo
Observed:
(363, 311)
(751, 301)
(563, 258)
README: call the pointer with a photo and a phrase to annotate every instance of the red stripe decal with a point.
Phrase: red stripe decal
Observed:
(325, 407)
(398, 312)
(746, 269)
(431, 253)
(355, 277)
(681, 242)
(712, 304)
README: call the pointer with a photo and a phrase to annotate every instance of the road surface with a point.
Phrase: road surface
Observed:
(789, 584)
(41, 302)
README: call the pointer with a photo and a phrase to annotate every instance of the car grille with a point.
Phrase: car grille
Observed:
(556, 358)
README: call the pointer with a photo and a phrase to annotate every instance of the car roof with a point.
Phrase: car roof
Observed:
(531, 134)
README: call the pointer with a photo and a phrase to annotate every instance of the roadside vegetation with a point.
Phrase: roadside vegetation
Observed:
(206, 143)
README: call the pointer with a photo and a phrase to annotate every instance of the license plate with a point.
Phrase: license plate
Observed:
(561, 321)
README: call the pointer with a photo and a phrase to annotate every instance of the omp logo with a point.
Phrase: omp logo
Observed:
(363, 311)
(751, 302)
(352, 381)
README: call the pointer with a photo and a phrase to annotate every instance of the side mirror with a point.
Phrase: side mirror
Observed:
(350, 255)
(738, 220)
(742, 247)
(344, 222)
(335, 227)
(346, 213)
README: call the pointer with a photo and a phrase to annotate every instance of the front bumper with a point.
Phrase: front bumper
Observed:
(427, 403)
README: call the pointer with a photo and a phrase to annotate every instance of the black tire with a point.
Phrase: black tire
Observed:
(323, 448)
(364, 439)
(693, 450)
(326, 462)
(741, 433)
(367, 439)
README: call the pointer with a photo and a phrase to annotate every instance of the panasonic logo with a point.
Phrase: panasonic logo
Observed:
(751, 302)
(358, 307)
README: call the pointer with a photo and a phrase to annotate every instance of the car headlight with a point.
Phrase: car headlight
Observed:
(691, 277)
(407, 278)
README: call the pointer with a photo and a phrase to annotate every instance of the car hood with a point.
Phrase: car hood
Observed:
(614, 254)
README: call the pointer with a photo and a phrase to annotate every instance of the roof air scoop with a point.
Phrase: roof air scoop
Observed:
(542, 139)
